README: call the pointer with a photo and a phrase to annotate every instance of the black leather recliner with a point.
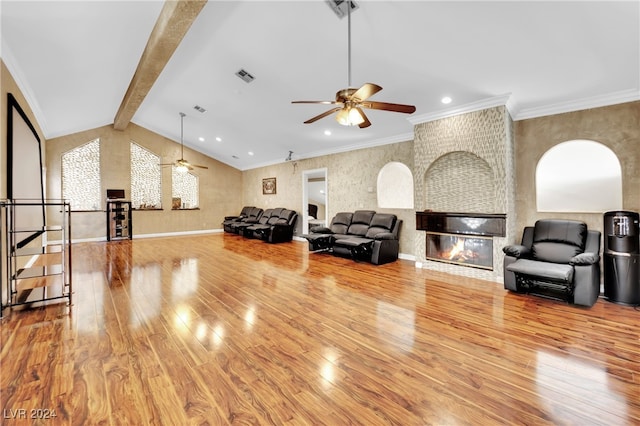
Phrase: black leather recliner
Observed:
(228, 220)
(268, 214)
(321, 238)
(268, 218)
(556, 258)
(235, 226)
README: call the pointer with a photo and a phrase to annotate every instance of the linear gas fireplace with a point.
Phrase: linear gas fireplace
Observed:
(464, 239)
(466, 250)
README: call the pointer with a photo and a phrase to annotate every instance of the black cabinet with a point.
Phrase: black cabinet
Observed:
(119, 220)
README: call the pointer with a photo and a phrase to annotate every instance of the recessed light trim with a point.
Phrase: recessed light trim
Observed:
(250, 152)
(446, 100)
(201, 139)
(218, 139)
(327, 132)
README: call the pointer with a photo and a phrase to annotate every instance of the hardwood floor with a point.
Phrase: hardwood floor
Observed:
(216, 329)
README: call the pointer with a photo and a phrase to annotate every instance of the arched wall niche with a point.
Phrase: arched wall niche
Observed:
(460, 181)
(395, 186)
(578, 176)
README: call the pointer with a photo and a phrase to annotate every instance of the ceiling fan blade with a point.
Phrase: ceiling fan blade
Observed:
(366, 122)
(407, 109)
(315, 102)
(198, 166)
(323, 115)
(365, 92)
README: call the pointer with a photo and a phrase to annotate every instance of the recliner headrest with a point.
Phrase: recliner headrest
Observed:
(362, 216)
(557, 241)
(571, 232)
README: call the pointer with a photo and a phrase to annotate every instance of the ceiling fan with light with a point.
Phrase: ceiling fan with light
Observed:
(183, 165)
(352, 101)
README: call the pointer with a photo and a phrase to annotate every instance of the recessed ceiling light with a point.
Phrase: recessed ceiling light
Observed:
(327, 132)
(218, 139)
(250, 152)
(201, 139)
(446, 100)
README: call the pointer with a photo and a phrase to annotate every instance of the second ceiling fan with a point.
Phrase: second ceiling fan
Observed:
(181, 164)
(352, 101)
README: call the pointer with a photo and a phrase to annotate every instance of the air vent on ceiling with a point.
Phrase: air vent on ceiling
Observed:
(339, 7)
(245, 76)
(199, 109)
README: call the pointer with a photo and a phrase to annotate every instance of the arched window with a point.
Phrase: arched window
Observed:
(579, 176)
(395, 186)
(81, 176)
(146, 178)
(185, 190)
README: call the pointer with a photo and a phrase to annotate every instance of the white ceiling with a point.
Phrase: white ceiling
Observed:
(74, 61)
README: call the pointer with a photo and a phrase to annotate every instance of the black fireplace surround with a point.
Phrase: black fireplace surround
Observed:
(485, 224)
(464, 239)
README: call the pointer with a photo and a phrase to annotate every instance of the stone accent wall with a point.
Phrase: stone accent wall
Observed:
(453, 158)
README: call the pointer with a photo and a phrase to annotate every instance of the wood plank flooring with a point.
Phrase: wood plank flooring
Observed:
(219, 330)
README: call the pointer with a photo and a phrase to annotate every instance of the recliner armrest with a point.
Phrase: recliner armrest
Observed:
(385, 236)
(516, 250)
(585, 259)
(281, 225)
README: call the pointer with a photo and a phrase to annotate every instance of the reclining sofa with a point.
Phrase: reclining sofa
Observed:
(362, 235)
(556, 258)
(271, 225)
(277, 227)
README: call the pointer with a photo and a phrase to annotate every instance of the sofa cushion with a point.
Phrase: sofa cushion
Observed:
(557, 241)
(543, 270)
(285, 218)
(340, 222)
(381, 222)
(360, 222)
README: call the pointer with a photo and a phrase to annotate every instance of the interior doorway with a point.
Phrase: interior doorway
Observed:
(314, 198)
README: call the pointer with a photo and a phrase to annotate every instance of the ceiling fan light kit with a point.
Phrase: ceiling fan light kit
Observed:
(349, 117)
(351, 100)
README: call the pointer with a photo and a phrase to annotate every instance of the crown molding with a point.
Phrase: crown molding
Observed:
(620, 97)
(495, 101)
(404, 137)
(16, 73)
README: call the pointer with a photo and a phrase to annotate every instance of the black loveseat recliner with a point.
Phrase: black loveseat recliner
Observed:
(361, 235)
(557, 258)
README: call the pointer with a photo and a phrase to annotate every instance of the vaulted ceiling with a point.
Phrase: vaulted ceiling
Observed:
(75, 60)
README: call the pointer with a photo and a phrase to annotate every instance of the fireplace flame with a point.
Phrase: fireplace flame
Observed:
(458, 252)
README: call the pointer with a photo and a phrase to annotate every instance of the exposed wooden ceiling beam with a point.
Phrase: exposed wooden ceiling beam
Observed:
(173, 23)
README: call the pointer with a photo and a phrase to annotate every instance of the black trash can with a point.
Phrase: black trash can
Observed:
(621, 257)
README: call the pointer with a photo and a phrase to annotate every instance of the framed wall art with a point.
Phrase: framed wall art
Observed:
(269, 185)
